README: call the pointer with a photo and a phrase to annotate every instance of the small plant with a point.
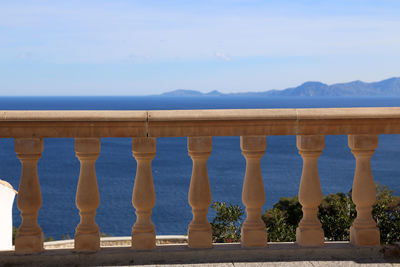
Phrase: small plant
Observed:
(14, 234)
(105, 234)
(65, 237)
(49, 238)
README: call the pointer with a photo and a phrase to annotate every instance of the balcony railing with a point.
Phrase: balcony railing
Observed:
(362, 125)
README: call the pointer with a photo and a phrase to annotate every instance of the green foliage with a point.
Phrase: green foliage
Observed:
(336, 213)
(281, 221)
(290, 208)
(386, 213)
(49, 238)
(105, 234)
(65, 237)
(14, 234)
(227, 222)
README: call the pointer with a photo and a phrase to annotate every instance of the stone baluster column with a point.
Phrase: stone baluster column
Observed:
(87, 234)
(143, 197)
(364, 232)
(309, 232)
(199, 233)
(254, 233)
(29, 238)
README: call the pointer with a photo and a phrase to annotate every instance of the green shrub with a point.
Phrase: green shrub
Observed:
(386, 213)
(227, 222)
(281, 221)
(336, 213)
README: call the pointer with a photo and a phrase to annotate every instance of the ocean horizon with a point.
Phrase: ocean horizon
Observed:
(281, 165)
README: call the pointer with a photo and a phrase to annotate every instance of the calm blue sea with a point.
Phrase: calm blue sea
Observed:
(281, 166)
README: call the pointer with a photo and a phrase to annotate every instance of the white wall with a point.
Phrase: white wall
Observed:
(7, 196)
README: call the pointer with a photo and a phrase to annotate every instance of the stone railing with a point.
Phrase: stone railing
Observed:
(362, 125)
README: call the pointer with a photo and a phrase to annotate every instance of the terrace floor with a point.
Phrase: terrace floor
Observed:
(221, 255)
(282, 263)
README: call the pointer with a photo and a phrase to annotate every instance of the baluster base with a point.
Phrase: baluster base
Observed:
(310, 237)
(364, 236)
(29, 243)
(200, 239)
(254, 237)
(143, 240)
(87, 242)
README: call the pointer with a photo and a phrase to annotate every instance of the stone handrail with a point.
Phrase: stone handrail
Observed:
(168, 123)
(362, 125)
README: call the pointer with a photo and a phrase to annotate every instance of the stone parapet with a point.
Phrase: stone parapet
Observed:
(362, 125)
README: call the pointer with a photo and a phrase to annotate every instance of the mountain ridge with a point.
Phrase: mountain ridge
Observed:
(387, 87)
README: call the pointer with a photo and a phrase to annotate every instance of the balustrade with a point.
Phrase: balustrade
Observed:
(361, 125)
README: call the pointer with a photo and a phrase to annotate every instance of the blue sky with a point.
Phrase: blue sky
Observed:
(147, 47)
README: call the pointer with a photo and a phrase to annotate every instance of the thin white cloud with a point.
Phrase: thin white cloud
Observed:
(25, 55)
(222, 56)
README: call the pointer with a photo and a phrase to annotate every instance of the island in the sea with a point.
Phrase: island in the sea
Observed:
(388, 87)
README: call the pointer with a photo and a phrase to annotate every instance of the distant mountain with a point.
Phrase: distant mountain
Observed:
(183, 92)
(388, 87)
(214, 93)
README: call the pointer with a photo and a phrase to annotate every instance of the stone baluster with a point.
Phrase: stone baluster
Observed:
(199, 233)
(29, 238)
(87, 234)
(309, 232)
(143, 197)
(363, 232)
(254, 233)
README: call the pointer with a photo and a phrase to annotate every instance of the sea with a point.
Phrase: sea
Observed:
(281, 165)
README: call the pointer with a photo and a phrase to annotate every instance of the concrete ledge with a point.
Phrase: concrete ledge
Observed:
(178, 254)
(117, 241)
